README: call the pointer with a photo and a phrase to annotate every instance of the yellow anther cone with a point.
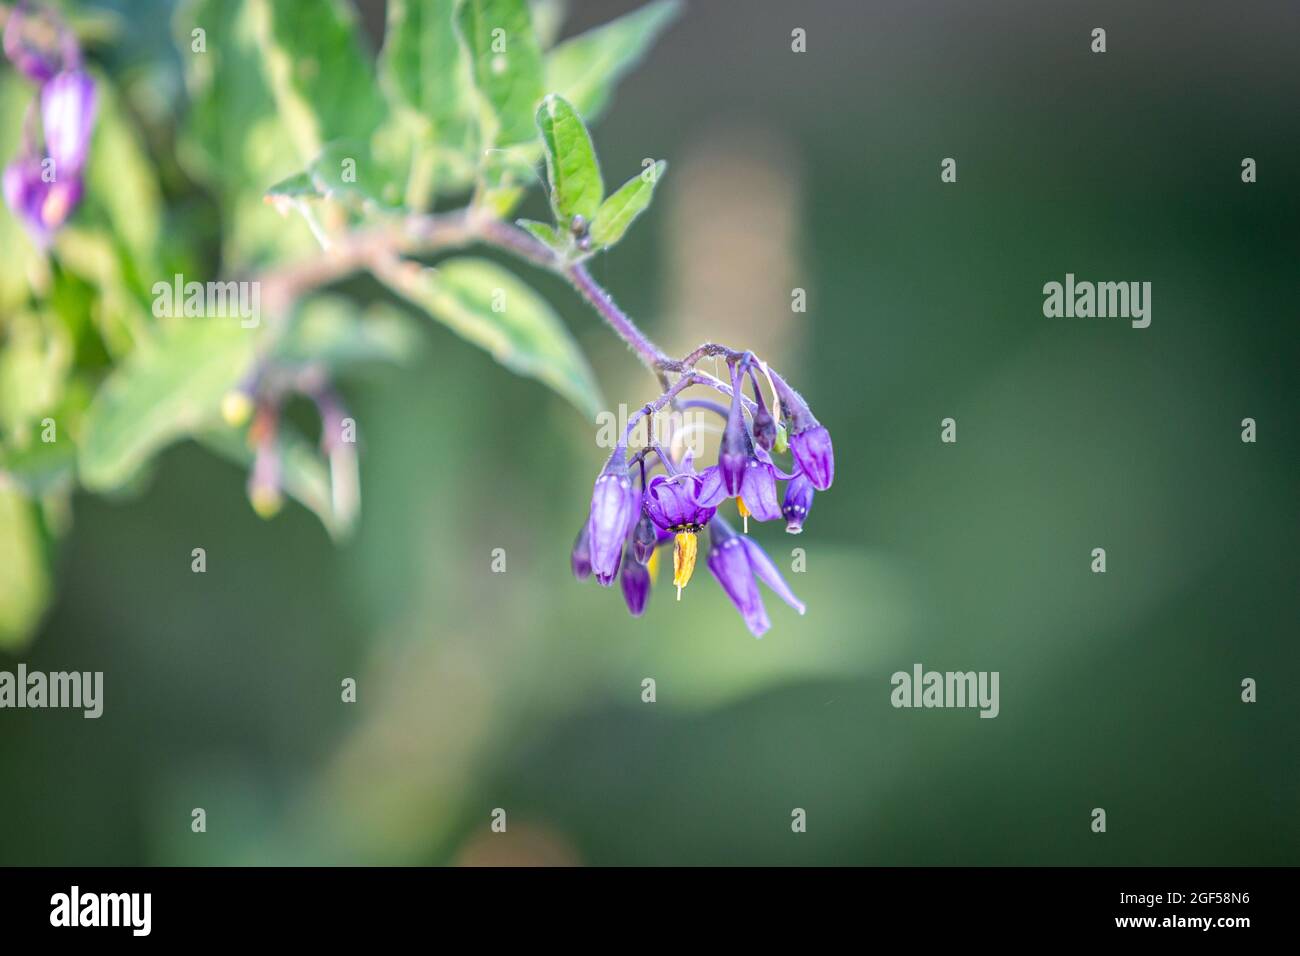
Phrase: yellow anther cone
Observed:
(684, 548)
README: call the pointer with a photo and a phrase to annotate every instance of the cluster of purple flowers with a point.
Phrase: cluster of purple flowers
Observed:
(44, 182)
(634, 512)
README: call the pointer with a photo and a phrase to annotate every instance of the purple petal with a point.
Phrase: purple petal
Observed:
(766, 459)
(762, 566)
(759, 492)
(671, 502)
(729, 565)
(713, 491)
(764, 429)
(610, 517)
(797, 504)
(635, 580)
(31, 62)
(645, 538)
(731, 468)
(25, 194)
(605, 580)
(812, 450)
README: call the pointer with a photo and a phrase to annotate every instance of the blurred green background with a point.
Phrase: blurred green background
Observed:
(522, 690)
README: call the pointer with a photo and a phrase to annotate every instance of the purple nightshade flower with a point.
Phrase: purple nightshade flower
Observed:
(43, 192)
(735, 560)
(757, 492)
(614, 509)
(673, 503)
(797, 504)
(25, 194)
(635, 579)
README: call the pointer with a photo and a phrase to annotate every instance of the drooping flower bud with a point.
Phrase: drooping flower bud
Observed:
(644, 539)
(798, 502)
(605, 580)
(613, 509)
(736, 447)
(812, 450)
(635, 579)
(810, 442)
(764, 429)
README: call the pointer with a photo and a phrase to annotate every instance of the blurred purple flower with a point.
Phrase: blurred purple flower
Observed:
(36, 64)
(42, 190)
(69, 104)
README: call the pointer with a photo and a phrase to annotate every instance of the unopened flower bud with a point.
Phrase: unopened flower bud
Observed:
(644, 539)
(764, 429)
(635, 579)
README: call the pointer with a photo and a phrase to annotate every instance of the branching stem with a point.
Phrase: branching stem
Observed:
(382, 250)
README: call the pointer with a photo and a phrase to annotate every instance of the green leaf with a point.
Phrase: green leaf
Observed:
(506, 63)
(349, 172)
(17, 251)
(504, 175)
(293, 188)
(548, 17)
(323, 82)
(576, 187)
(424, 67)
(122, 182)
(164, 390)
(424, 70)
(617, 212)
(40, 468)
(545, 232)
(34, 362)
(585, 69)
(25, 583)
(490, 307)
(330, 329)
(233, 137)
